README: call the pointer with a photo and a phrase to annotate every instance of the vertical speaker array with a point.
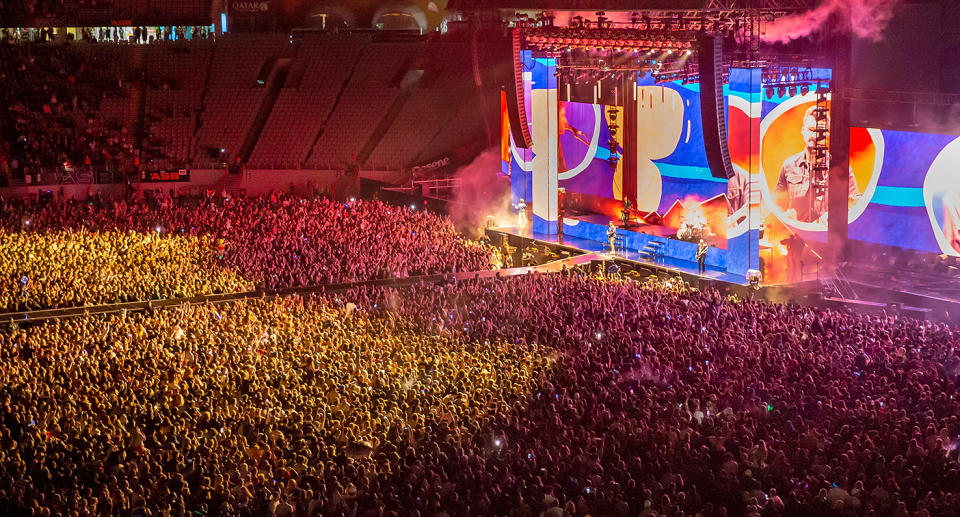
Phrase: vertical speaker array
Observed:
(711, 106)
(516, 105)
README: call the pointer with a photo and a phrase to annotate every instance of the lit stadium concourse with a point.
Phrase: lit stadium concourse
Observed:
(265, 258)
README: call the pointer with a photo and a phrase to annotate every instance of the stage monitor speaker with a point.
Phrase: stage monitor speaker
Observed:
(712, 108)
(516, 105)
(652, 218)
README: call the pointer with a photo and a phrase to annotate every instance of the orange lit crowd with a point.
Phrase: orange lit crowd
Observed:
(537, 395)
(70, 253)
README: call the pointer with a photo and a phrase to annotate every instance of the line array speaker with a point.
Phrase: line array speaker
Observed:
(712, 108)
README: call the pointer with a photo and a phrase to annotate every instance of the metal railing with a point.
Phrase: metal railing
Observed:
(441, 188)
(833, 279)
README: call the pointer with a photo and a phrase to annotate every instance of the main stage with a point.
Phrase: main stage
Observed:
(806, 292)
(648, 245)
(652, 242)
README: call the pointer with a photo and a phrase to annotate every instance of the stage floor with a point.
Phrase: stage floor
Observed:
(651, 229)
(591, 246)
(640, 227)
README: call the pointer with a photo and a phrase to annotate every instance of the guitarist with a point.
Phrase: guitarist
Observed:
(625, 213)
(612, 236)
(702, 257)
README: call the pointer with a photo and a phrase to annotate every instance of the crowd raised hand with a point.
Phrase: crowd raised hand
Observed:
(550, 395)
(543, 394)
(72, 254)
(264, 407)
(67, 268)
(673, 402)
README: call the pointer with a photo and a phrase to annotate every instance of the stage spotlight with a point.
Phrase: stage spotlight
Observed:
(781, 91)
(792, 90)
(804, 89)
(769, 92)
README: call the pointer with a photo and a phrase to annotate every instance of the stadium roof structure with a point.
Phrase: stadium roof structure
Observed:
(631, 5)
(115, 13)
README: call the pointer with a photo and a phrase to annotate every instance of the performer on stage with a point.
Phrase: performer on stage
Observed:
(521, 214)
(625, 214)
(612, 237)
(795, 245)
(702, 257)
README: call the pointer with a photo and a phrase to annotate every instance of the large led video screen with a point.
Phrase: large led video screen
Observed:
(672, 170)
(776, 138)
(585, 150)
(915, 202)
(673, 178)
(788, 153)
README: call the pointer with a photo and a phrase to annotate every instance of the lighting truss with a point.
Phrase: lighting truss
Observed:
(726, 5)
(629, 40)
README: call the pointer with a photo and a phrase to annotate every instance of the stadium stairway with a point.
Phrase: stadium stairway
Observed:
(336, 102)
(275, 71)
(138, 97)
(407, 87)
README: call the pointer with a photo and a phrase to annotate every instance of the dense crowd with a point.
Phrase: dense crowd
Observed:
(688, 404)
(271, 242)
(279, 407)
(63, 269)
(554, 395)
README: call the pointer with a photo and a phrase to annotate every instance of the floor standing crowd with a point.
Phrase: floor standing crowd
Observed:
(537, 395)
(73, 253)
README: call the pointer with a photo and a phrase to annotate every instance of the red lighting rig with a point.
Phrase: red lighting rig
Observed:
(627, 40)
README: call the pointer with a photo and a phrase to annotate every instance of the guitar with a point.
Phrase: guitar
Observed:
(702, 252)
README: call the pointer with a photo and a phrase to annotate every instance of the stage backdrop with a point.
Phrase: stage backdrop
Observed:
(773, 171)
(673, 177)
(786, 131)
(915, 203)
(584, 150)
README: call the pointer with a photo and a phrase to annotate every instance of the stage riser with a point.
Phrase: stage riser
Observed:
(634, 241)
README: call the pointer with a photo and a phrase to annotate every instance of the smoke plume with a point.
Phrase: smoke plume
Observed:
(482, 193)
(865, 18)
